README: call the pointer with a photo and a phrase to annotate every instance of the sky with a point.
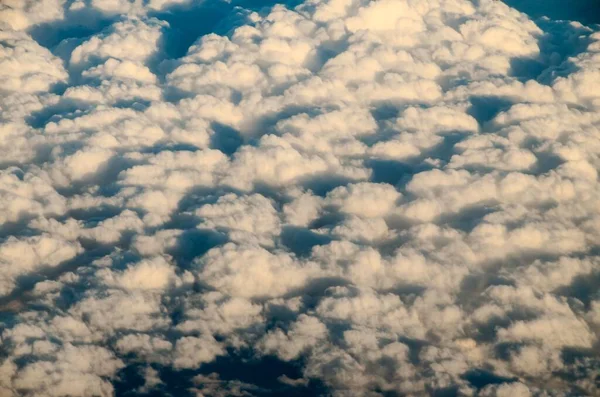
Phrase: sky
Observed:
(315, 198)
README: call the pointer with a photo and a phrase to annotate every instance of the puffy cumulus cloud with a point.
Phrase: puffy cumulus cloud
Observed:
(151, 349)
(27, 66)
(21, 257)
(20, 15)
(362, 266)
(28, 195)
(131, 39)
(305, 333)
(220, 315)
(276, 162)
(158, 183)
(407, 267)
(76, 370)
(351, 197)
(581, 86)
(548, 276)
(367, 361)
(252, 217)
(108, 231)
(112, 67)
(212, 385)
(192, 351)
(177, 170)
(364, 199)
(419, 131)
(371, 310)
(362, 230)
(28, 74)
(334, 132)
(150, 274)
(103, 128)
(547, 319)
(83, 165)
(138, 310)
(252, 271)
(125, 69)
(158, 243)
(302, 209)
(497, 153)
(511, 389)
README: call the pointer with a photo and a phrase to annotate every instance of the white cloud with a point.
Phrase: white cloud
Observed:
(247, 217)
(391, 196)
(252, 271)
(364, 199)
(20, 15)
(28, 195)
(77, 370)
(120, 310)
(276, 162)
(153, 274)
(302, 209)
(191, 351)
(221, 315)
(20, 257)
(516, 389)
(27, 66)
(302, 335)
(131, 39)
(148, 348)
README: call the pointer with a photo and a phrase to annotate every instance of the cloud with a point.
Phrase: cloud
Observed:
(27, 66)
(252, 271)
(79, 371)
(20, 15)
(305, 333)
(250, 217)
(21, 257)
(327, 197)
(191, 351)
(218, 314)
(150, 274)
(131, 39)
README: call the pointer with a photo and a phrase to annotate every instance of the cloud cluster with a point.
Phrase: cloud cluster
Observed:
(337, 197)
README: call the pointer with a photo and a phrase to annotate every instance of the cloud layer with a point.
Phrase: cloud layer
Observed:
(334, 197)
